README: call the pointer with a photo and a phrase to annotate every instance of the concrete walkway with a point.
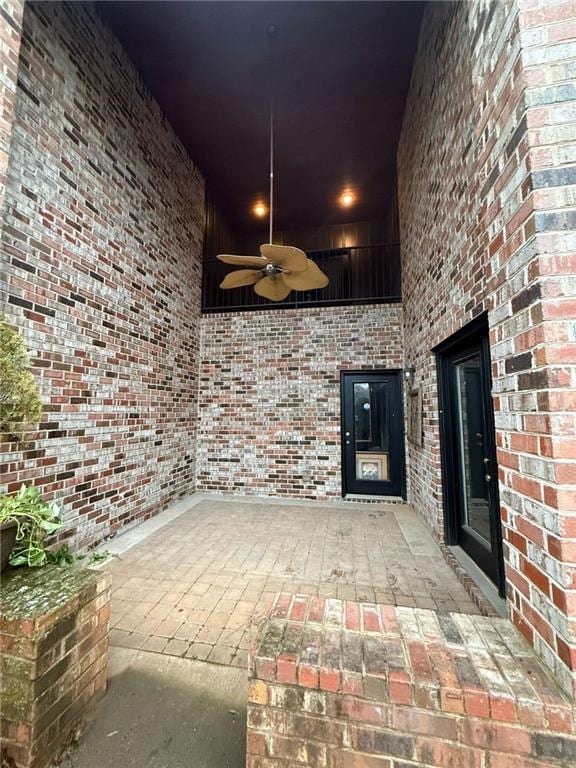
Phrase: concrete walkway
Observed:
(165, 712)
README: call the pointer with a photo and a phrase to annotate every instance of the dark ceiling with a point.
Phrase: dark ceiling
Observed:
(342, 74)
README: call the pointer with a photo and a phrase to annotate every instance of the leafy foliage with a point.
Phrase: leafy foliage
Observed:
(97, 557)
(61, 556)
(20, 404)
(35, 519)
(64, 556)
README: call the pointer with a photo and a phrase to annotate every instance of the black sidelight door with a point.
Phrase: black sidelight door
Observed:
(372, 433)
(470, 472)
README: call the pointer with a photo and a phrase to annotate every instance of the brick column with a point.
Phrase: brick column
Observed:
(538, 459)
(543, 551)
(11, 12)
(53, 658)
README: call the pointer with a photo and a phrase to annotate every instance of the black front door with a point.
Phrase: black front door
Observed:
(470, 472)
(372, 433)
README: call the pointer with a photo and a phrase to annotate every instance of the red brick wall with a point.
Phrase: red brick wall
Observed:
(269, 401)
(545, 532)
(481, 154)
(103, 237)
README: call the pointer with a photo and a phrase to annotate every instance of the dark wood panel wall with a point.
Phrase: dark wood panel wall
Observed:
(219, 236)
(327, 237)
(222, 238)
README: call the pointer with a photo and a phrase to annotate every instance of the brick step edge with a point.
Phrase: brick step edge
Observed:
(454, 663)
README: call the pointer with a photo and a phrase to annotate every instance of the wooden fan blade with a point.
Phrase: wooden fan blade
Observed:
(242, 261)
(312, 278)
(241, 277)
(285, 256)
(273, 288)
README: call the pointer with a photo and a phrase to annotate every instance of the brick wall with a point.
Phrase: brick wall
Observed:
(269, 401)
(349, 685)
(101, 247)
(483, 158)
(445, 213)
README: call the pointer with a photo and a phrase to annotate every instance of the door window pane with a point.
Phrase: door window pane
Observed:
(471, 442)
(372, 430)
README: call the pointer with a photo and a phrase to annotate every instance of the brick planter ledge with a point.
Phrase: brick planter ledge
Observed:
(355, 685)
(53, 654)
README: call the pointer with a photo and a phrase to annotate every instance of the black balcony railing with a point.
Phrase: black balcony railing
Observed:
(358, 275)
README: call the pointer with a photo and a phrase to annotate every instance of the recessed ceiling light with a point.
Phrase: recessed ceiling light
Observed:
(260, 210)
(347, 199)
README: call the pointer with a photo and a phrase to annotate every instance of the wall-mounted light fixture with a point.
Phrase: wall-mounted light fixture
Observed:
(409, 376)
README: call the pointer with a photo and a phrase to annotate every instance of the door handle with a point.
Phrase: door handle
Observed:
(487, 478)
(347, 442)
(347, 434)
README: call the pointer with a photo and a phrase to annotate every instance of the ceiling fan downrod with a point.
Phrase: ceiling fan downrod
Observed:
(279, 269)
(272, 32)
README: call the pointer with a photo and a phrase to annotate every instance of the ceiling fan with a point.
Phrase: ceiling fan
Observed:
(279, 269)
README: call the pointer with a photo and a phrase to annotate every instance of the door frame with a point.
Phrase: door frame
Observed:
(374, 372)
(477, 331)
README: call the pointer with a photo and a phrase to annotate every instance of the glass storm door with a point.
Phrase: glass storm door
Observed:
(469, 456)
(373, 434)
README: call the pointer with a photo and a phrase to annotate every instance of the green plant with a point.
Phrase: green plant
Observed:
(61, 556)
(97, 557)
(20, 404)
(35, 519)
(64, 556)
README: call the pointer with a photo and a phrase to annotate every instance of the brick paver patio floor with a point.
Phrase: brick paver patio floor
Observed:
(199, 586)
